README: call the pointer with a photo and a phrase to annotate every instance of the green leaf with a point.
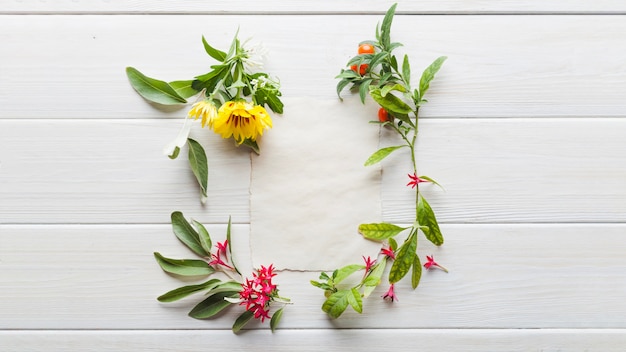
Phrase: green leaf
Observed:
(426, 217)
(175, 153)
(185, 291)
(242, 320)
(380, 154)
(390, 102)
(184, 88)
(417, 272)
(212, 305)
(391, 87)
(252, 145)
(364, 88)
(380, 232)
(276, 319)
(355, 300)
(346, 271)
(184, 267)
(406, 70)
(404, 259)
(385, 30)
(153, 89)
(429, 74)
(432, 181)
(199, 165)
(375, 277)
(378, 58)
(230, 247)
(203, 236)
(337, 303)
(187, 234)
(341, 85)
(392, 244)
(214, 53)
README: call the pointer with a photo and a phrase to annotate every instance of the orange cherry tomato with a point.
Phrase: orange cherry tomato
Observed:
(383, 115)
(366, 49)
(362, 68)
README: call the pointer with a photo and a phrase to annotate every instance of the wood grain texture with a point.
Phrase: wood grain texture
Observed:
(498, 66)
(374, 340)
(501, 276)
(302, 6)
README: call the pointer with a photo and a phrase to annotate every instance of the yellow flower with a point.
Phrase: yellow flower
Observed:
(204, 109)
(241, 120)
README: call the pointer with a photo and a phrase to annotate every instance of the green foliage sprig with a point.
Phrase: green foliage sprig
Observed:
(377, 72)
(257, 294)
(230, 99)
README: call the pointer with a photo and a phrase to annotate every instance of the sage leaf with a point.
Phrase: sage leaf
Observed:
(187, 234)
(380, 231)
(203, 236)
(182, 292)
(199, 165)
(429, 74)
(230, 247)
(336, 303)
(390, 102)
(404, 259)
(242, 320)
(152, 89)
(355, 300)
(426, 217)
(417, 272)
(380, 154)
(184, 267)
(346, 271)
(214, 304)
(340, 86)
(406, 70)
(364, 88)
(385, 30)
(184, 88)
(214, 53)
(276, 318)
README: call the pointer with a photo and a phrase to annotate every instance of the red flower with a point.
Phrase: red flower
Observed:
(415, 180)
(432, 263)
(388, 252)
(258, 293)
(217, 257)
(390, 295)
(369, 263)
(221, 247)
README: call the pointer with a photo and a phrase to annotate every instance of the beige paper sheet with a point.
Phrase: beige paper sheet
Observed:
(309, 188)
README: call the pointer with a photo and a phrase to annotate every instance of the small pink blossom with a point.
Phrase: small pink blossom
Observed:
(222, 246)
(217, 256)
(415, 180)
(258, 293)
(432, 263)
(388, 252)
(390, 295)
(369, 263)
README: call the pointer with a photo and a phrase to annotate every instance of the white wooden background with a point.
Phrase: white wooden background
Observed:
(525, 127)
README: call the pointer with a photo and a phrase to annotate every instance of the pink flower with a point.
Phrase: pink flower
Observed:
(432, 263)
(390, 295)
(388, 252)
(221, 247)
(415, 180)
(369, 263)
(217, 257)
(258, 293)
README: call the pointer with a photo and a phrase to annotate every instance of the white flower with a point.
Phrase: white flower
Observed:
(254, 57)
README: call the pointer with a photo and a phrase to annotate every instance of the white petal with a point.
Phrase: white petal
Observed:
(180, 140)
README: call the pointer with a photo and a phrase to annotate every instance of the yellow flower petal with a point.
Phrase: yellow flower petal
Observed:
(204, 109)
(241, 120)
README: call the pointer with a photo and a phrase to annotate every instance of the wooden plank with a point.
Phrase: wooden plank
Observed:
(494, 170)
(501, 276)
(475, 340)
(513, 170)
(114, 171)
(498, 66)
(302, 6)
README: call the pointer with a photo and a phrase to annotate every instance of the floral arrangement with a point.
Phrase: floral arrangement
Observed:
(231, 100)
(376, 72)
(257, 294)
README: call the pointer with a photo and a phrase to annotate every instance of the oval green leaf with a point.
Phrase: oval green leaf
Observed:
(343, 273)
(199, 165)
(390, 102)
(182, 292)
(380, 154)
(404, 259)
(276, 319)
(417, 272)
(429, 74)
(187, 234)
(184, 88)
(336, 303)
(184, 267)
(380, 232)
(212, 305)
(242, 320)
(203, 236)
(153, 89)
(426, 217)
(214, 53)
